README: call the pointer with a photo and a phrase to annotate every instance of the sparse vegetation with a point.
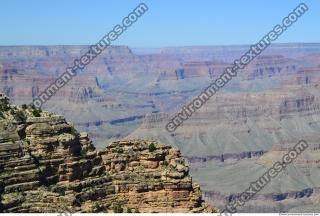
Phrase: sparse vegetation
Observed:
(84, 180)
(6, 173)
(4, 104)
(98, 207)
(57, 189)
(8, 198)
(73, 131)
(36, 113)
(19, 116)
(152, 147)
(117, 208)
(83, 152)
(12, 112)
(197, 192)
(165, 163)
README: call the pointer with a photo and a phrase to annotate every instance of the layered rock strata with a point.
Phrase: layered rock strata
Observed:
(47, 166)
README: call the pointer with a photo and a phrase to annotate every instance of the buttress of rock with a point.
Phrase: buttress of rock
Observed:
(47, 166)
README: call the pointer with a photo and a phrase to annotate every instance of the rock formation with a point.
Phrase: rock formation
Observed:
(113, 94)
(270, 105)
(47, 166)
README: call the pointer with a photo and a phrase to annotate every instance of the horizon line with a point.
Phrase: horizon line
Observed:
(162, 47)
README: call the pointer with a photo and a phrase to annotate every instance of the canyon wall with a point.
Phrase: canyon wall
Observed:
(47, 166)
(272, 104)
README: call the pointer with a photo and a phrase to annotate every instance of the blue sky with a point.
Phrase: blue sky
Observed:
(167, 23)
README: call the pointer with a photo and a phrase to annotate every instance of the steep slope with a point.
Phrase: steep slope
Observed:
(238, 135)
(47, 166)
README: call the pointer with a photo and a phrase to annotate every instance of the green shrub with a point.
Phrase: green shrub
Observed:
(73, 131)
(98, 207)
(24, 106)
(19, 116)
(36, 113)
(129, 210)
(198, 192)
(117, 208)
(83, 152)
(59, 190)
(4, 104)
(152, 147)
(119, 150)
(165, 163)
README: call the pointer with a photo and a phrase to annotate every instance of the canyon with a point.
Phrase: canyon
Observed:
(132, 93)
(47, 166)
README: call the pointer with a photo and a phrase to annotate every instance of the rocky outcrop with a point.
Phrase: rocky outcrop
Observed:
(272, 101)
(47, 166)
(152, 176)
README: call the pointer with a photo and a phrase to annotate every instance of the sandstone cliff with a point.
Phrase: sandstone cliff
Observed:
(47, 166)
